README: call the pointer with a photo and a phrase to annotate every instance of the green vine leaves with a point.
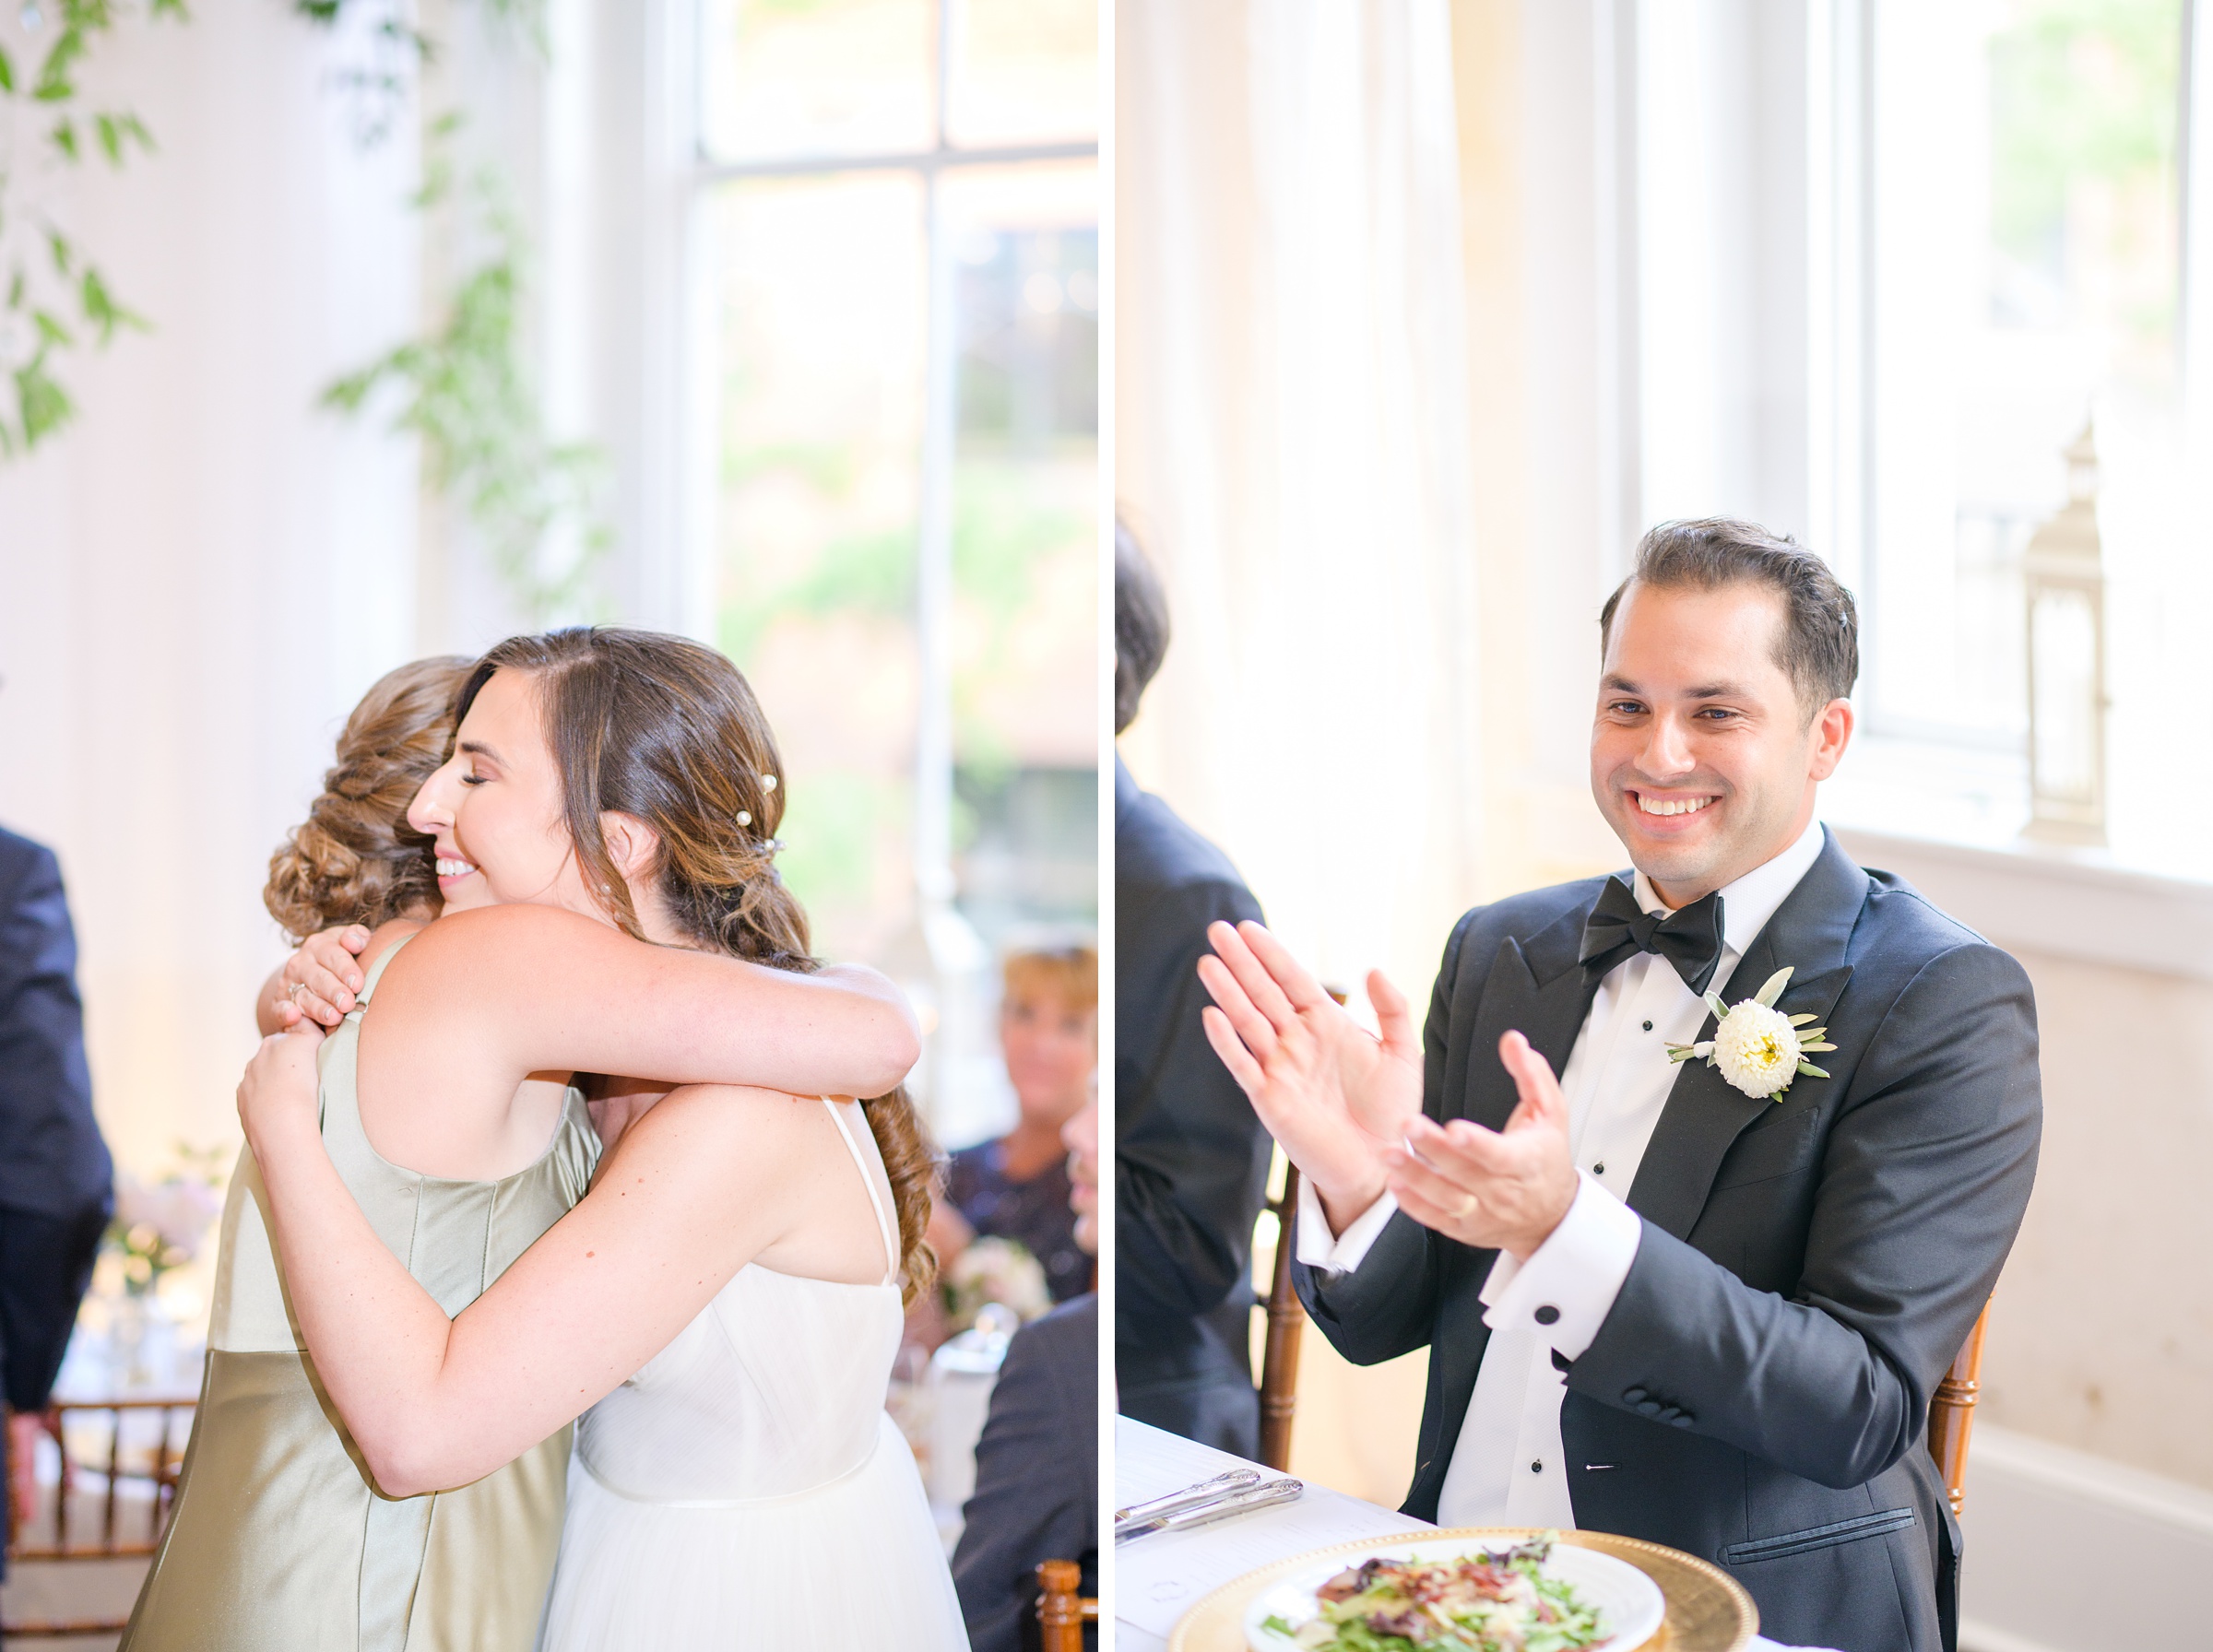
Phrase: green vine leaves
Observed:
(465, 394)
(54, 298)
(462, 387)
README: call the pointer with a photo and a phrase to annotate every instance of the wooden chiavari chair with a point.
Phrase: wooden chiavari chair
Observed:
(1286, 1321)
(1062, 1610)
(1286, 1324)
(1952, 1413)
(164, 1461)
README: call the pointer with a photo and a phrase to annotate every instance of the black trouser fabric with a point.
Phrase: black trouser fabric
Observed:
(45, 1266)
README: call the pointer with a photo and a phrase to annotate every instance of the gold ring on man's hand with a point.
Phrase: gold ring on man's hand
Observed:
(1467, 1207)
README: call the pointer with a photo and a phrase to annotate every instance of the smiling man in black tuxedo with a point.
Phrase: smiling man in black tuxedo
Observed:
(1657, 1302)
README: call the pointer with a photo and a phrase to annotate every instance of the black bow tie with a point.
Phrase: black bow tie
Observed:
(1617, 930)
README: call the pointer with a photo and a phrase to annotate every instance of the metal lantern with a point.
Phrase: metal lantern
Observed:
(2063, 577)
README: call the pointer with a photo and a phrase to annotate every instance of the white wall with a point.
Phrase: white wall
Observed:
(199, 577)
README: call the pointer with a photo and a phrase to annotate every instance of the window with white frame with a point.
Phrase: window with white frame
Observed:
(2028, 242)
(899, 206)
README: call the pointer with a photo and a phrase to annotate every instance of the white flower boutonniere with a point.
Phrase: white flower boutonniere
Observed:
(1757, 1048)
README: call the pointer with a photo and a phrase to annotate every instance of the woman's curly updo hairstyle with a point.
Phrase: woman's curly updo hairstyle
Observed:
(668, 731)
(355, 859)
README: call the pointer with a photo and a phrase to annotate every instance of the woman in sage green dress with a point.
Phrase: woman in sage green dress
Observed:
(281, 1536)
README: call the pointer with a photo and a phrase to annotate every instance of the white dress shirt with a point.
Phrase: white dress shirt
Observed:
(1506, 1466)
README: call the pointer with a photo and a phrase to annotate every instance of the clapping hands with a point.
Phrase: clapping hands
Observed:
(1492, 1189)
(1336, 1096)
(1346, 1105)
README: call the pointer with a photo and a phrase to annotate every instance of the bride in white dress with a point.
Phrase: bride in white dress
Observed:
(747, 1487)
(724, 1306)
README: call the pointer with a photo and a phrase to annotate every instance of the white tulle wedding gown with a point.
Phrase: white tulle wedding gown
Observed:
(747, 1490)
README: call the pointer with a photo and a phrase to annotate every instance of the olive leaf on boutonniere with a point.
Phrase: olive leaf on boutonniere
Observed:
(1756, 1047)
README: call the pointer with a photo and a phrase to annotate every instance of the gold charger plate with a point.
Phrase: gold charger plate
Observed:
(1708, 1611)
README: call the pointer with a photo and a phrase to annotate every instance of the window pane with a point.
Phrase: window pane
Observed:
(2027, 263)
(822, 290)
(1025, 71)
(787, 78)
(1026, 684)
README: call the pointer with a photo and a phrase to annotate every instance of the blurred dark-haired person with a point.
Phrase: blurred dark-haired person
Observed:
(56, 1182)
(1016, 1187)
(1698, 1175)
(1191, 1160)
(1038, 1465)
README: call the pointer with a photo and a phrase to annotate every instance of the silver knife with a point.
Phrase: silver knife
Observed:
(1206, 1491)
(1269, 1495)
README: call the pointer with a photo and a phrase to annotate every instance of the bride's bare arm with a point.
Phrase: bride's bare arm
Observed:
(482, 997)
(674, 1213)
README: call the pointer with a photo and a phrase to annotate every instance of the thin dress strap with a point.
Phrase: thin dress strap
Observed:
(376, 969)
(885, 1224)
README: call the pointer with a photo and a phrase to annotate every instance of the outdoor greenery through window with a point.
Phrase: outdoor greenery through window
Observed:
(875, 169)
(2027, 224)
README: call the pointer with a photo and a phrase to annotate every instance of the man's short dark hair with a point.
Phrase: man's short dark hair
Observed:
(1141, 624)
(1818, 647)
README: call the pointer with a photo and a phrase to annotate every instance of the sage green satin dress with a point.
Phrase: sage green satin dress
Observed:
(281, 1541)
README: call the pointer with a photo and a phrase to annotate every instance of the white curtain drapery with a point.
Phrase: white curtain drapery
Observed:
(1292, 436)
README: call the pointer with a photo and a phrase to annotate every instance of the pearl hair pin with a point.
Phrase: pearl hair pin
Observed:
(744, 818)
(768, 782)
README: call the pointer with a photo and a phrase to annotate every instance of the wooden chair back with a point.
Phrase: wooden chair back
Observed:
(1286, 1324)
(1061, 1610)
(154, 1460)
(1952, 1413)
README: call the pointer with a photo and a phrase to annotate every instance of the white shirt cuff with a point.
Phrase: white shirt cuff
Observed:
(1339, 1253)
(1566, 1287)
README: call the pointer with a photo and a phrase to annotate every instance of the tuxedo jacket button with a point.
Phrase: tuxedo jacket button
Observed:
(1682, 1420)
(1632, 1395)
(1651, 1408)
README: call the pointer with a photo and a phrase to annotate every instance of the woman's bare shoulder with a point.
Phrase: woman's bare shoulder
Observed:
(710, 1118)
(485, 941)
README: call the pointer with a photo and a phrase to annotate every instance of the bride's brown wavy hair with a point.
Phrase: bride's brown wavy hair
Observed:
(666, 730)
(355, 859)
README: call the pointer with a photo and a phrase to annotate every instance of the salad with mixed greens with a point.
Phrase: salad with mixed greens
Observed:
(1493, 1601)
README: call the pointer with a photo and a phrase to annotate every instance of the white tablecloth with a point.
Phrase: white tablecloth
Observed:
(1155, 1580)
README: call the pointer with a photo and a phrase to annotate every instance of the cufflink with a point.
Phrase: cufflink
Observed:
(1548, 1315)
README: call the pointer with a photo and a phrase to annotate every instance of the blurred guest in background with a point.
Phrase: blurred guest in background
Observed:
(1191, 1157)
(1017, 1187)
(56, 1182)
(1045, 1414)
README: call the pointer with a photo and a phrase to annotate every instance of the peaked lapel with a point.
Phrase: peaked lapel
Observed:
(1811, 931)
(1536, 988)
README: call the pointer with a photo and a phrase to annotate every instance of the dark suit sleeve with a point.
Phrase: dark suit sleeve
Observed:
(51, 1156)
(41, 1022)
(1389, 1305)
(44, 1085)
(1033, 1501)
(1926, 1173)
(1189, 1175)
